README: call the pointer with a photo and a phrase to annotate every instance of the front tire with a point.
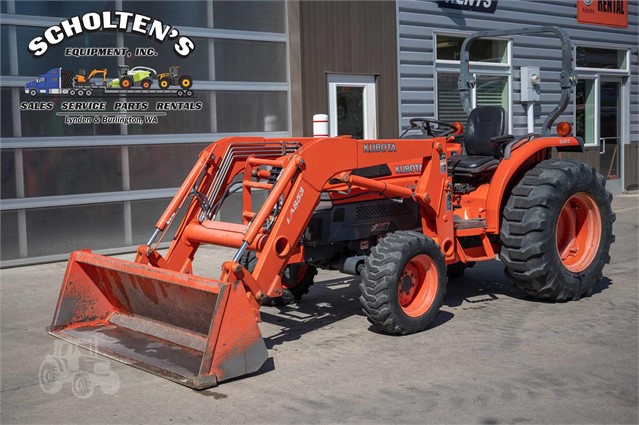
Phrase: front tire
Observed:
(126, 82)
(403, 283)
(557, 230)
(296, 281)
(164, 83)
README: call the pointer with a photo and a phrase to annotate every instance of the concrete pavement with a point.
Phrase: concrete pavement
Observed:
(492, 356)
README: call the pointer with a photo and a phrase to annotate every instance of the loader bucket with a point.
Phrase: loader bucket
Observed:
(189, 329)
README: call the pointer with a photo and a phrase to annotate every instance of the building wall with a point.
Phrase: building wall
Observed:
(349, 37)
(419, 21)
(104, 186)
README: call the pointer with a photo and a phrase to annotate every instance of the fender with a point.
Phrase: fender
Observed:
(521, 159)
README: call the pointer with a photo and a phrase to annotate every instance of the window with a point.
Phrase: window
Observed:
(449, 107)
(240, 74)
(352, 106)
(495, 51)
(591, 57)
(259, 61)
(266, 15)
(490, 65)
(585, 111)
(492, 90)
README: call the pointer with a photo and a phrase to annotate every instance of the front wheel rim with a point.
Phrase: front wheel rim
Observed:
(417, 285)
(578, 232)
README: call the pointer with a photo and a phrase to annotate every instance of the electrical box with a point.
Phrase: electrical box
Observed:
(530, 84)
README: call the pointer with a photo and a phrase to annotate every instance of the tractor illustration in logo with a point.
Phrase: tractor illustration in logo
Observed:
(173, 78)
(140, 76)
(83, 369)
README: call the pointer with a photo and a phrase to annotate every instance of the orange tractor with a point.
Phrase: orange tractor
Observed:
(397, 212)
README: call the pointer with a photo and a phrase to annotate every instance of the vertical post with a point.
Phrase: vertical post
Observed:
(126, 186)
(530, 112)
(211, 53)
(17, 132)
(320, 125)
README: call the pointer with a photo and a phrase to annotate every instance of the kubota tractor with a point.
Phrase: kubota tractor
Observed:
(396, 212)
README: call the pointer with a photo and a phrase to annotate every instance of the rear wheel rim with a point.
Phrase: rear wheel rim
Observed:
(578, 232)
(417, 285)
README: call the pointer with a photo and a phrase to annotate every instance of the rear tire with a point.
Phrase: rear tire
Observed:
(50, 377)
(146, 83)
(403, 283)
(293, 288)
(557, 230)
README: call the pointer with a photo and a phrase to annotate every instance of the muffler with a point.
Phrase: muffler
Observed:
(189, 329)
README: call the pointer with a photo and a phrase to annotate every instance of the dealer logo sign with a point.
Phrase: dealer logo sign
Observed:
(111, 21)
(485, 6)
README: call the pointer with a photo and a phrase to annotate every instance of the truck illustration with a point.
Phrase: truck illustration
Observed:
(83, 369)
(137, 80)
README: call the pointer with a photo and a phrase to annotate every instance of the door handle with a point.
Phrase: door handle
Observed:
(603, 144)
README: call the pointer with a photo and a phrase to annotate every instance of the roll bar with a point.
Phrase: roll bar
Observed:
(567, 78)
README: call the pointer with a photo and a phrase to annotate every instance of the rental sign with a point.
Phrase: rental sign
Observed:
(610, 13)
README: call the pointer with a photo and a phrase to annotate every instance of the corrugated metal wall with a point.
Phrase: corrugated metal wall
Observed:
(349, 37)
(631, 159)
(419, 20)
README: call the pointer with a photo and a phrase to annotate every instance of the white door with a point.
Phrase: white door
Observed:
(352, 106)
(610, 132)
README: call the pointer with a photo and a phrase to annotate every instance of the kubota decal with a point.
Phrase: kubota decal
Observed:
(408, 169)
(379, 147)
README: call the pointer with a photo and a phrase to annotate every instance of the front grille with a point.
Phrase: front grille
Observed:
(387, 210)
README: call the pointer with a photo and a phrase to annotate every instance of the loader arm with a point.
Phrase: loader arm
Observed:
(275, 230)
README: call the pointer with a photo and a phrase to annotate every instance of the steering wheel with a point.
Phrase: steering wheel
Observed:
(424, 125)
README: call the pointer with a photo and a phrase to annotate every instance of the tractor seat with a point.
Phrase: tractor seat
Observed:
(483, 137)
(467, 165)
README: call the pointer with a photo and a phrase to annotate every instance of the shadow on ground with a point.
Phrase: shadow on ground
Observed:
(334, 300)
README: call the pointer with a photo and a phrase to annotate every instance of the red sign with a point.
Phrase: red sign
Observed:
(610, 13)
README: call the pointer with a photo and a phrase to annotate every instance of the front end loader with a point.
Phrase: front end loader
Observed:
(397, 212)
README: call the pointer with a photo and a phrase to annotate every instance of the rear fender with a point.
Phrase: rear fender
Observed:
(510, 171)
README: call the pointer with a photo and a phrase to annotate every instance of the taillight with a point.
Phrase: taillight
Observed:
(564, 129)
